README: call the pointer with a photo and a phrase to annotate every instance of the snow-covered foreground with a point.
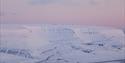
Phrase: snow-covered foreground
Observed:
(61, 44)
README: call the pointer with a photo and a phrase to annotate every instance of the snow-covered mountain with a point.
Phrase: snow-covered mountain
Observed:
(61, 44)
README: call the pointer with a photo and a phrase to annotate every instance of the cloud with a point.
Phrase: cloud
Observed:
(41, 1)
(65, 2)
(46, 2)
(93, 2)
(1, 13)
(7, 13)
(64, 11)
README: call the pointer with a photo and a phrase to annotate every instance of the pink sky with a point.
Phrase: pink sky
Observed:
(84, 12)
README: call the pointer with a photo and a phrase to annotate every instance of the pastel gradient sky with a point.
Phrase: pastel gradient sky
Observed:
(83, 12)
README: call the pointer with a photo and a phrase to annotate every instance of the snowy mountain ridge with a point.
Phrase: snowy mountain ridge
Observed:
(61, 44)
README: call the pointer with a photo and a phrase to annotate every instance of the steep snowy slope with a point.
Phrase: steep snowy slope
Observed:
(61, 44)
